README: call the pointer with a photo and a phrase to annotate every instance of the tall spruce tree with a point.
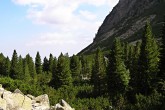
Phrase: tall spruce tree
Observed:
(134, 70)
(63, 75)
(7, 66)
(20, 74)
(54, 73)
(51, 63)
(14, 66)
(161, 74)
(148, 61)
(98, 73)
(86, 68)
(75, 66)
(2, 65)
(45, 65)
(32, 69)
(117, 74)
(38, 65)
(27, 77)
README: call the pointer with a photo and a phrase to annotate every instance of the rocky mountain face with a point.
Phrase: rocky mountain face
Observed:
(126, 21)
(18, 101)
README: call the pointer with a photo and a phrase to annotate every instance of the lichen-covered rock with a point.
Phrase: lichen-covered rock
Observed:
(41, 103)
(63, 105)
(2, 104)
(17, 100)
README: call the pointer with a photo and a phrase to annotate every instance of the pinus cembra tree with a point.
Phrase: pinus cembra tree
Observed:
(63, 74)
(45, 66)
(7, 66)
(75, 67)
(27, 77)
(38, 64)
(51, 59)
(161, 74)
(20, 74)
(117, 75)
(14, 66)
(98, 73)
(32, 69)
(148, 61)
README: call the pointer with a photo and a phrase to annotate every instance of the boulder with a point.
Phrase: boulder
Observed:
(2, 104)
(17, 101)
(18, 91)
(30, 96)
(63, 105)
(41, 103)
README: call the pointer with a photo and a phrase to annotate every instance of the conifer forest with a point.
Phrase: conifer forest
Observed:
(126, 77)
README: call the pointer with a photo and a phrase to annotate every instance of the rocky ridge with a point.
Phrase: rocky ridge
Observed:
(18, 101)
(126, 21)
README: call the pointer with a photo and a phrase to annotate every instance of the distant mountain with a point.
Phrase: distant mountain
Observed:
(126, 21)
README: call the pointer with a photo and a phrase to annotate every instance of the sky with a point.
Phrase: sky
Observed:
(50, 26)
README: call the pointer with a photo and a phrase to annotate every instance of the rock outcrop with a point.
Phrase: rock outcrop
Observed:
(18, 101)
(126, 21)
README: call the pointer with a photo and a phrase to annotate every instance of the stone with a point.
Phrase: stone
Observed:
(2, 104)
(18, 91)
(63, 105)
(41, 102)
(17, 101)
(30, 96)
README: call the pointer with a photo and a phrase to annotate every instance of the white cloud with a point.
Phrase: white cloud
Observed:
(71, 24)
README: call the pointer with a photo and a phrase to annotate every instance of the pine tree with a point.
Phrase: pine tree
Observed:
(32, 69)
(148, 61)
(134, 70)
(98, 73)
(20, 74)
(51, 63)
(45, 65)
(86, 69)
(38, 65)
(54, 73)
(7, 66)
(118, 75)
(63, 74)
(14, 66)
(161, 74)
(75, 66)
(2, 65)
(27, 76)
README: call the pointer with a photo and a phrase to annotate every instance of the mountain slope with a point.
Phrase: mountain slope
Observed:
(126, 21)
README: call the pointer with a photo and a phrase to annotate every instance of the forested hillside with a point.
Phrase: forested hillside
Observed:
(127, 77)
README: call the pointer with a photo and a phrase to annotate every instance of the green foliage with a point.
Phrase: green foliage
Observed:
(153, 102)
(2, 65)
(32, 69)
(126, 80)
(45, 65)
(26, 72)
(63, 76)
(7, 66)
(148, 61)
(162, 54)
(75, 67)
(38, 65)
(98, 73)
(117, 74)
(14, 66)
(51, 59)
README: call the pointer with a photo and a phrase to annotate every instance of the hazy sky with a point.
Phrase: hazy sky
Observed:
(50, 26)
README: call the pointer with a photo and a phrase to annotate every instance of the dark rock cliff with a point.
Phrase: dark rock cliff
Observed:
(126, 21)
